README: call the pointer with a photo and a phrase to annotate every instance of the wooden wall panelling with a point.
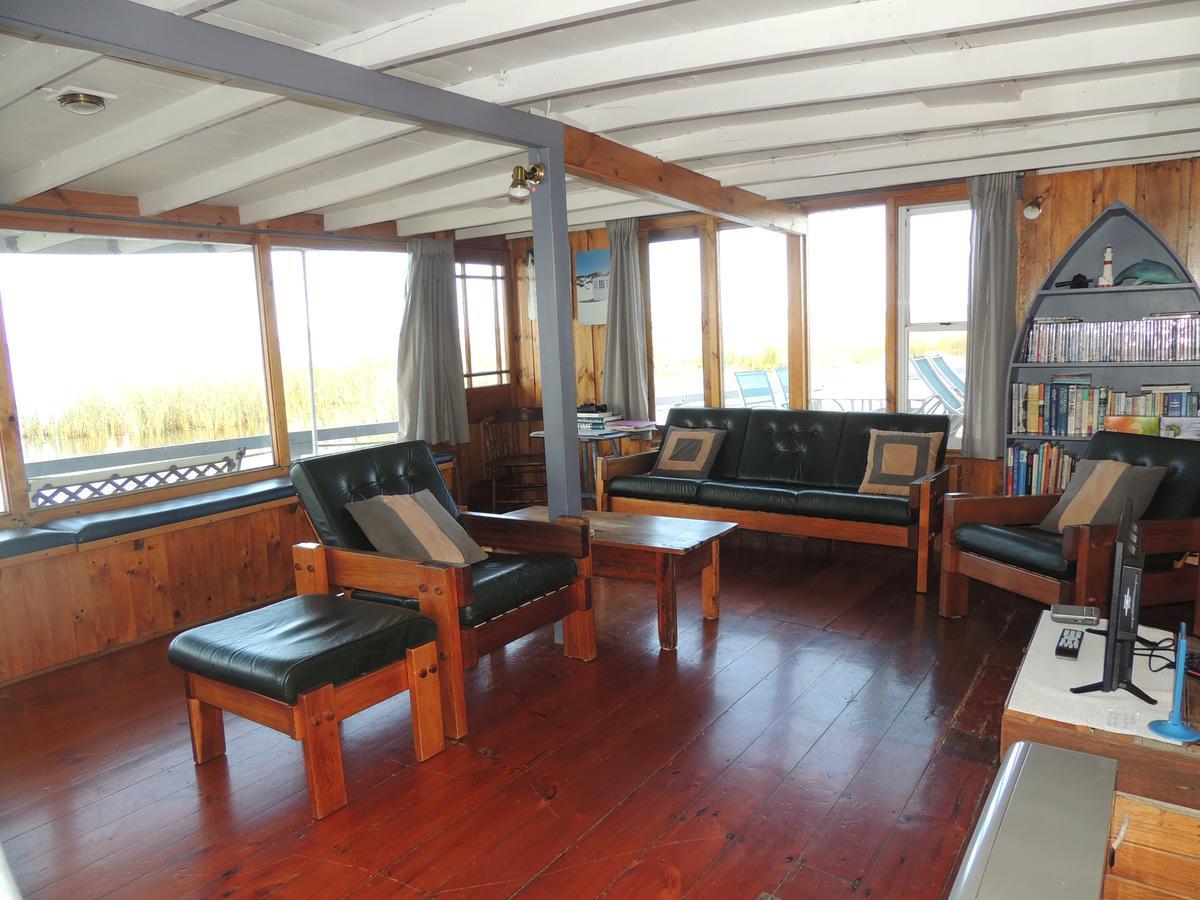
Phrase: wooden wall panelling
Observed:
(58, 607)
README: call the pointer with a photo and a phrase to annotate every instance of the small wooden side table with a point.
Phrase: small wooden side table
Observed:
(655, 549)
(1145, 766)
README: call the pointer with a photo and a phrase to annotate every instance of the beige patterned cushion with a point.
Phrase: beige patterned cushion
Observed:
(896, 458)
(414, 527)
(1097, 492)
(688, 452)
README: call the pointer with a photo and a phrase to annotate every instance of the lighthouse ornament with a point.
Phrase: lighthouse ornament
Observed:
(1106, 274)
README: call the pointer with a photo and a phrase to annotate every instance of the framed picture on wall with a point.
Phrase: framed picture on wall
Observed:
(593, 270)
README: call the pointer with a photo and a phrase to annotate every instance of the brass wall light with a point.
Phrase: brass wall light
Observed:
(525, 180)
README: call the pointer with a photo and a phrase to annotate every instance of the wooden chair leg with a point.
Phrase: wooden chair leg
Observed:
(425, 697)
(953, 595)
(207, 725)
(322, 751)
(579, 627)
(923, 563)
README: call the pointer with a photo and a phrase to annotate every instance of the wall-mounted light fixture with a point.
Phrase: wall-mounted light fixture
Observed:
(81, 103)
(1033, 209)
(525, 180)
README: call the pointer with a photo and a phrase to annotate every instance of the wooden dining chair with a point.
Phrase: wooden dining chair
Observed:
(515, 462)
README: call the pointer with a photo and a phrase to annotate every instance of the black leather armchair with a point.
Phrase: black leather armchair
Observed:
(536, 573)
(995, 539)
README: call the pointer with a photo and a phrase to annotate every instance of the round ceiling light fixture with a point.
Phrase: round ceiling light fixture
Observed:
(81, 103)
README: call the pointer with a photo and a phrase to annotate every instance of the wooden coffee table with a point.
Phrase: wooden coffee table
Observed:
(657, 549)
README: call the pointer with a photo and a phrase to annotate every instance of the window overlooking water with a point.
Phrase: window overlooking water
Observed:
(675, 313)
(135, 363)
(847, 308)
(339, 315)
(754, 319)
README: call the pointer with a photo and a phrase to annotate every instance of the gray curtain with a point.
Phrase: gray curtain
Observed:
(992, 310)
(433, 396)
(625, 378)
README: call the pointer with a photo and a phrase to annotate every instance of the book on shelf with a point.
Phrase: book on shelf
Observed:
(1043, 469)
(1070, 406)
(632, 424)
(1133, 424)
(1161, 337)
(1184, 427)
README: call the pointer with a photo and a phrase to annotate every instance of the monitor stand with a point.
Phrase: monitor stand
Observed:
(1125, 685)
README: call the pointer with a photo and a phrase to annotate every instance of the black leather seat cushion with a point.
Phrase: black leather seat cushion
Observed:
(15, 541)
(95, 526)
(878, 509)
(1023, 546)
(441, 457)
(856, 439)
(1178, 496)
(733, 421)
(296, 645)
(502, 582)
(325, 484)
(748, 495)
(654, 487)
(790, 447)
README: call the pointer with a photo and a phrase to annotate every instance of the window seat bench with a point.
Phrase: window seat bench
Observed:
(19, 541)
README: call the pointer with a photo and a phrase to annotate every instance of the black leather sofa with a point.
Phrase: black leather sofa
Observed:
(791, 472)
(995, 539)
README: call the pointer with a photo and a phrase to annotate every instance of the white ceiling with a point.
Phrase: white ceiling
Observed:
(789, 98)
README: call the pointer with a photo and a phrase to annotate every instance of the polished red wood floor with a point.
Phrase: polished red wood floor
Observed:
(829, 736)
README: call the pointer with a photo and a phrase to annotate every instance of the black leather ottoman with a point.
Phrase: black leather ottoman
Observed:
(302, 665)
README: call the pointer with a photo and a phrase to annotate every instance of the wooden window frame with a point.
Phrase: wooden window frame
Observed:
(501, 310)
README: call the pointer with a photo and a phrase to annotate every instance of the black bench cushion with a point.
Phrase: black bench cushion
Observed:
(1022, 546)
(758, 496)
(325, 484)
(791, 447)
(502, 582)
(654, 487)
(114, 522)
(291, 647)
(1178, 497)
(15, 541)
(734, 421)
(856, 439)
(878, 509)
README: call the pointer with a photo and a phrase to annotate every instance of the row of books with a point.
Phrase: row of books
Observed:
(610, 421)
(1069, 406)
(1163, 337)
(1044, 469)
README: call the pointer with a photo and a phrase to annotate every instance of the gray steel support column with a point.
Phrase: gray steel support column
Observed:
(552, 269)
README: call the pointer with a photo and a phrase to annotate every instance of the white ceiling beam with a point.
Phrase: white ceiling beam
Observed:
(491, 186)
(428, 34)
(1067, 133)
(33, 241)
(209, 107)
(1091, 97)
(1102, 154)
(817, 31)
(504, 211)
(1086, 51)
(333, 140)
(581, 218)
(447, 29)
(373, 180)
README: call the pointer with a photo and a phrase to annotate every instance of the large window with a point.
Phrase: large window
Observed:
(482, 323)
(339, 314)
(934, 269)
(135, 363)
(754, 320)
(847, 308)
(675, 315)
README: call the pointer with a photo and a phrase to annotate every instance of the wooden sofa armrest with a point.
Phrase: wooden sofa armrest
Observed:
(611, 466)
(944, 481)
(319, 566)
(961, 509)
(526, 536)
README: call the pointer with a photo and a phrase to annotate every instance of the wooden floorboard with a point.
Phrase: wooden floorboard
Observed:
(829, 736)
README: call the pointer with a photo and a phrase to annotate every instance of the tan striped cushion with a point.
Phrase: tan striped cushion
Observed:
(414, 527)
(896, 458)
(1097, 493)
(688, 452)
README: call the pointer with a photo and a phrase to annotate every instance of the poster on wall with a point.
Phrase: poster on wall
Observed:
(592, 274)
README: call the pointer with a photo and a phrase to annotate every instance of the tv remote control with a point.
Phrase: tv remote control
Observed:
(1068, 643)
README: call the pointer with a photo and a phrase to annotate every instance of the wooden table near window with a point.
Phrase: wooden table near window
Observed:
(656, 549)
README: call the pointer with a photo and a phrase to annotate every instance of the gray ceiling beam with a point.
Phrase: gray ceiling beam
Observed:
(140, 34)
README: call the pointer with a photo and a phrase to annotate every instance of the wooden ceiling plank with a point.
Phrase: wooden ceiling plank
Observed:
(595, 158)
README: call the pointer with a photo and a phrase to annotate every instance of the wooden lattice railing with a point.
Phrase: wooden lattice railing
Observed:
(74, 486)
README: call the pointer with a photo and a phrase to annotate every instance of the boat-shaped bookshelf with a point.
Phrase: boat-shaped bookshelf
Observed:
(1085, 348)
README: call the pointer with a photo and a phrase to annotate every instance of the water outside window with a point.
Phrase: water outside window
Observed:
(754, 316)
